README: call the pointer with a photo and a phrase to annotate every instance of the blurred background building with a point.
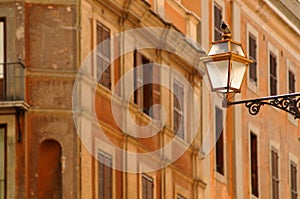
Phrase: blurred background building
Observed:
(42, 46)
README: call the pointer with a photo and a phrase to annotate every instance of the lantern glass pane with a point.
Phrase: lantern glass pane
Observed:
(218, 48)
(237, 49)
(218, 73)
(237, 74)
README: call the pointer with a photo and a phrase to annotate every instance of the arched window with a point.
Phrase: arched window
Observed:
(49, 170)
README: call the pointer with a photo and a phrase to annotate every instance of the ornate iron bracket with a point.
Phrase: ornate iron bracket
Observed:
(288, 102)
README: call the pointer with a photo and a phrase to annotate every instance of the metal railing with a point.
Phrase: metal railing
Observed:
(12, 81)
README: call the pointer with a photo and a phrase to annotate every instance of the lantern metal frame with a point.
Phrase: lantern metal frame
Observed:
(288, 102)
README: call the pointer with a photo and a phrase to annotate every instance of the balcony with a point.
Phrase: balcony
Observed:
(12, 85)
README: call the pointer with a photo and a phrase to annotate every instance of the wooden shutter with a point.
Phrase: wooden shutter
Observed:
(138, 79)
(220, 143)
(178, 110)
(147, 187)
(273, 74)
(104, 176)
(156, 90)
(275, 176)
(117, 66)
(252, 56)
(254, 164)
(293, 170)
(217, 22)
(291, 82)
(103, 55)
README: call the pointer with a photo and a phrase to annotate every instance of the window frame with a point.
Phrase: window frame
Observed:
(273, 51)
(254, 133)
(11, 123)
(253, 129)
(253, 86)
(98, 19)
(217, 102)
(143, 168)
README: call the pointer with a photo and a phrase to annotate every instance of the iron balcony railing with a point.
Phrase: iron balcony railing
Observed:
(12, 81)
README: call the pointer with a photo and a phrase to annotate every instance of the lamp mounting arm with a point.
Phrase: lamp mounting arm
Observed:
(288, 102)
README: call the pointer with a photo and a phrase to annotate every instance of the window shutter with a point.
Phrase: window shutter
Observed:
(117, 66)
(219, 144)
(138, 93)
(103, 54)
(217, 22)
(273, 75)
(252, 56)
(156, 90)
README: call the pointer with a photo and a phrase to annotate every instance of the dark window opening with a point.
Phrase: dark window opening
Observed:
(293, 173)
(146, 93)
(220, 142)
(254, 164)
(273, 74)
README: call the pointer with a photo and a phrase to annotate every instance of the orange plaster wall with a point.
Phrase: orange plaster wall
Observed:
(173, 16)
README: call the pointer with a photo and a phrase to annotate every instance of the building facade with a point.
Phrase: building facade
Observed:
(66, 113)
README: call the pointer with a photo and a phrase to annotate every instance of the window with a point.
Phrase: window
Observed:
(2, 161)
(291, 81)
(275, 174)
(254, 164)
(273, 74)
(149, 94)
(147, 187)
(217, 22)
(293, 173)
(103, 55)
(178, 109)
(104, 176)
(220, 143)
(252, 55)
(2, 57)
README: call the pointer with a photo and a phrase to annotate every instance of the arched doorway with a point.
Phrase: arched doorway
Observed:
(49, 170)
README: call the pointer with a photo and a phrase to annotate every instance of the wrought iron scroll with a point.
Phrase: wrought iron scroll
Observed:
(289, 103)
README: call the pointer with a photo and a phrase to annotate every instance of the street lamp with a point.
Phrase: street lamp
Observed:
(226, 65)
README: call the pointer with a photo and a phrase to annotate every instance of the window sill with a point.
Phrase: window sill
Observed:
(221, 178)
